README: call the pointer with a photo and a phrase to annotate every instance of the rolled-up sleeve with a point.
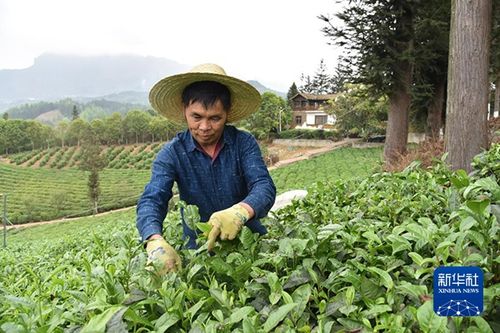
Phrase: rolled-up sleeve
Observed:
(261, 188)
(152, 206)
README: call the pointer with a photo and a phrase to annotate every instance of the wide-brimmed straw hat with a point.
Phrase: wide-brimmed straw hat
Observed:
(166, 95)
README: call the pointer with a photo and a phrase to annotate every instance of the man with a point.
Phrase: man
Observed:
(216, 166)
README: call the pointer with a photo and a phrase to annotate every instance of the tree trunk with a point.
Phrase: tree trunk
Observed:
(468, 84)
(496, 107)
(435, 112)
(397, 123)
(491, 104)
(399, 99)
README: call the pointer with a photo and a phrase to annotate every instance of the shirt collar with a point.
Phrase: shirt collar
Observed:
(190, 143)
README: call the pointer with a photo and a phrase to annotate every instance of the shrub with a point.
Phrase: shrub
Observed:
(426, 152)
(316, 134)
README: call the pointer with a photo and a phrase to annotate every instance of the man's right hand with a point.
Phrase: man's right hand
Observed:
(163, 256)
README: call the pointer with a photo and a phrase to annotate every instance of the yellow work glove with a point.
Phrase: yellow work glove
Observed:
(163, 256)
(226, 223)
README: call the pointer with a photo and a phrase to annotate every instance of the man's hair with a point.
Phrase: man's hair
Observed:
(207, 93)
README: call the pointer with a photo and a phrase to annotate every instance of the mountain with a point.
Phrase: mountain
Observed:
(135, 97)
(119, 78)
(262, 89)
(58, 76)
(51, 118)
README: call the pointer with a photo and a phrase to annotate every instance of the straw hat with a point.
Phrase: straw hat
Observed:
(166, 95)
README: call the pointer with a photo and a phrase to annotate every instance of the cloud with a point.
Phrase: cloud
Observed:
(269, 41)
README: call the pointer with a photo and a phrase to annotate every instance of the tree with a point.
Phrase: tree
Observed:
(48, 135)
(136, 124)
(160, 128)
(92, 112)
(267, 119)
(98, 129)
(321, 83)
(343, 74)
(378, 36)
(78, 128)
(62, 131)
(432, 29)
(468, 84)
(356, 112)
(307, 85)
(5, 116)
(321, 80)
(113, 129)
(495, 58)
(292, 91)
(3, 135)
(75, 114)
(92, 161)
(34, 130)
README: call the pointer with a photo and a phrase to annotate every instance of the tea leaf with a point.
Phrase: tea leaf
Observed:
(98, 323)
(385, 277)
(204, 227)
(277, 316)
(192, 310)
(482, 324)
(428, 320)
(301, 297)
(239, 314)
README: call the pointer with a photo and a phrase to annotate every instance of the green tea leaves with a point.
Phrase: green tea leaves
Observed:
(277, 316)
(385, 278)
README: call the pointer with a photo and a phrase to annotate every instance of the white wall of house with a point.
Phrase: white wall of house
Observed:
(311, 117)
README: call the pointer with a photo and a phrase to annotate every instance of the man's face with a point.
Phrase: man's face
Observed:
(206, 125)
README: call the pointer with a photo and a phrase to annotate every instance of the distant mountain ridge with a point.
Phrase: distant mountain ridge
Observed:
(52, 112)
(58, 76)
(119, 78)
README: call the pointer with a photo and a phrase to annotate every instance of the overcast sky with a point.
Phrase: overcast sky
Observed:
(272, 41)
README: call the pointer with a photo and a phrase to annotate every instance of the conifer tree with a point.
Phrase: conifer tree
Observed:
(92, 161)
(378, 37)
(75, 113)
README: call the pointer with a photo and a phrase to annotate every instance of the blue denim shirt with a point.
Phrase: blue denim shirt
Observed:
(237, 174)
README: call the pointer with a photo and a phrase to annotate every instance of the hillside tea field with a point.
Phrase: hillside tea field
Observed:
(343, 163)
(44, 194)
(38, 194)
(139, 156)
(353, 256)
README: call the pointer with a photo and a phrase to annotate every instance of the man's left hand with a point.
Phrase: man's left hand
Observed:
(226, 223)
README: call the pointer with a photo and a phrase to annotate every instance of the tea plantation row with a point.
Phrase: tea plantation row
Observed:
(118, 157)
(38, 194)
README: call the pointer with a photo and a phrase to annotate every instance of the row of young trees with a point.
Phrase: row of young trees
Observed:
(422, 55)
(136, 126)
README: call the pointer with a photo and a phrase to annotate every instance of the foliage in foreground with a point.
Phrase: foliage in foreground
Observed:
(354, 256)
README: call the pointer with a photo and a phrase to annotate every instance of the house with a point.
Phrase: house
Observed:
(307, 111)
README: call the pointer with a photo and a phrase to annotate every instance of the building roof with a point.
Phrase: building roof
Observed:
(314, 97)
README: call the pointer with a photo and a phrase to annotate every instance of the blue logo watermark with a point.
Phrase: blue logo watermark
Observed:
(458, 291)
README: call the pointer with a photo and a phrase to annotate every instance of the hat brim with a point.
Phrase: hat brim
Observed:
(166, 95)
